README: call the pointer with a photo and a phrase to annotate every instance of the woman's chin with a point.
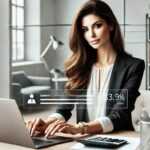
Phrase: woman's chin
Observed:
(95, 46)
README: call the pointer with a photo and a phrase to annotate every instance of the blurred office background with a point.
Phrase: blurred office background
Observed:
(26, 25)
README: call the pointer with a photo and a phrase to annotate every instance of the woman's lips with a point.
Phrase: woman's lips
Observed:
(94, 41)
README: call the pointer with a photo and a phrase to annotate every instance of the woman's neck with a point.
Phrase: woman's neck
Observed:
(105, 57)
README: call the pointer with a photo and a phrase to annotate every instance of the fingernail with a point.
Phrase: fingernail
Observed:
(31, 133)
(52, 133)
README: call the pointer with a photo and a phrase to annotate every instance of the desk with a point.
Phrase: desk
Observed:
(65, 146)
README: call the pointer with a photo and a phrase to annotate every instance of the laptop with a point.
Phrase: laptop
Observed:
(14, 131)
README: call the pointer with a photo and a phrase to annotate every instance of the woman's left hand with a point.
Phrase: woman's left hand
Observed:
(60, 126)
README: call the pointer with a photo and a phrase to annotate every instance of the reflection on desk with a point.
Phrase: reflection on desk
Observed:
(131, 135)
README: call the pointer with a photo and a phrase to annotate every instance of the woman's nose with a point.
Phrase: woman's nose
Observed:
(92, 33)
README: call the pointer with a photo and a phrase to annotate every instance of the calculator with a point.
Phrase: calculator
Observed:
(103, 142)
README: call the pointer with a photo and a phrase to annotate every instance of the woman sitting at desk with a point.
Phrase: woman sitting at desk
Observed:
(98, 63)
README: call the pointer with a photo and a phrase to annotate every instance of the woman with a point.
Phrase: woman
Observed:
(98, 63)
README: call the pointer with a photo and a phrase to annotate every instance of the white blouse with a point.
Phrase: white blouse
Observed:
(97, 96)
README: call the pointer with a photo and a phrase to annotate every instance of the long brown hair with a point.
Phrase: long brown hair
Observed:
(78, 66)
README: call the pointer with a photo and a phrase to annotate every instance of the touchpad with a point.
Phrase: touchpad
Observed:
(43, 142)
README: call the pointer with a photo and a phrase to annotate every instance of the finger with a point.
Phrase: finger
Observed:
(35, 125)
(51, 125)
(52, 128)
(36, 133)
(57, 128)
(63, 129)
(69, 129)
(27, 124)
(31, 125)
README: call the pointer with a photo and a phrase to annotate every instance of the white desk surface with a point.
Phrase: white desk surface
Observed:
(129, 135)
(65, 146)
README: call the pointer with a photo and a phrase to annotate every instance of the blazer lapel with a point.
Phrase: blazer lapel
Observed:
(116, 80)
(117, 72)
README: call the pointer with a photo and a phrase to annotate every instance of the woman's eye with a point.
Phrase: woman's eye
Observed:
(84, 30)
(98, 25)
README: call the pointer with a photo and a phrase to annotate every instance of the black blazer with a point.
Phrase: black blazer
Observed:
(125, 80)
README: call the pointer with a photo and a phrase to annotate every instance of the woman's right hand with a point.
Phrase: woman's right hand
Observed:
(37, 126)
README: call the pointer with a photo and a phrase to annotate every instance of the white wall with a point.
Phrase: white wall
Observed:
(47, 20)
(32, 30)
(66, 10)
(4, 49)
(63, 11)
(135, 37)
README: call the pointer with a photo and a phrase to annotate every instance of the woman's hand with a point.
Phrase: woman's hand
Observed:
(52, 125)
(93, 127)
(61, 126)
(37, 126)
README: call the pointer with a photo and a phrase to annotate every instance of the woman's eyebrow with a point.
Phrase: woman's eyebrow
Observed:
(98, 21)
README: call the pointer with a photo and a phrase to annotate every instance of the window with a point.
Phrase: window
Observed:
(17, 29)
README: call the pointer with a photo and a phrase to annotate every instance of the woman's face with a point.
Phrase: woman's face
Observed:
(96, 31)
